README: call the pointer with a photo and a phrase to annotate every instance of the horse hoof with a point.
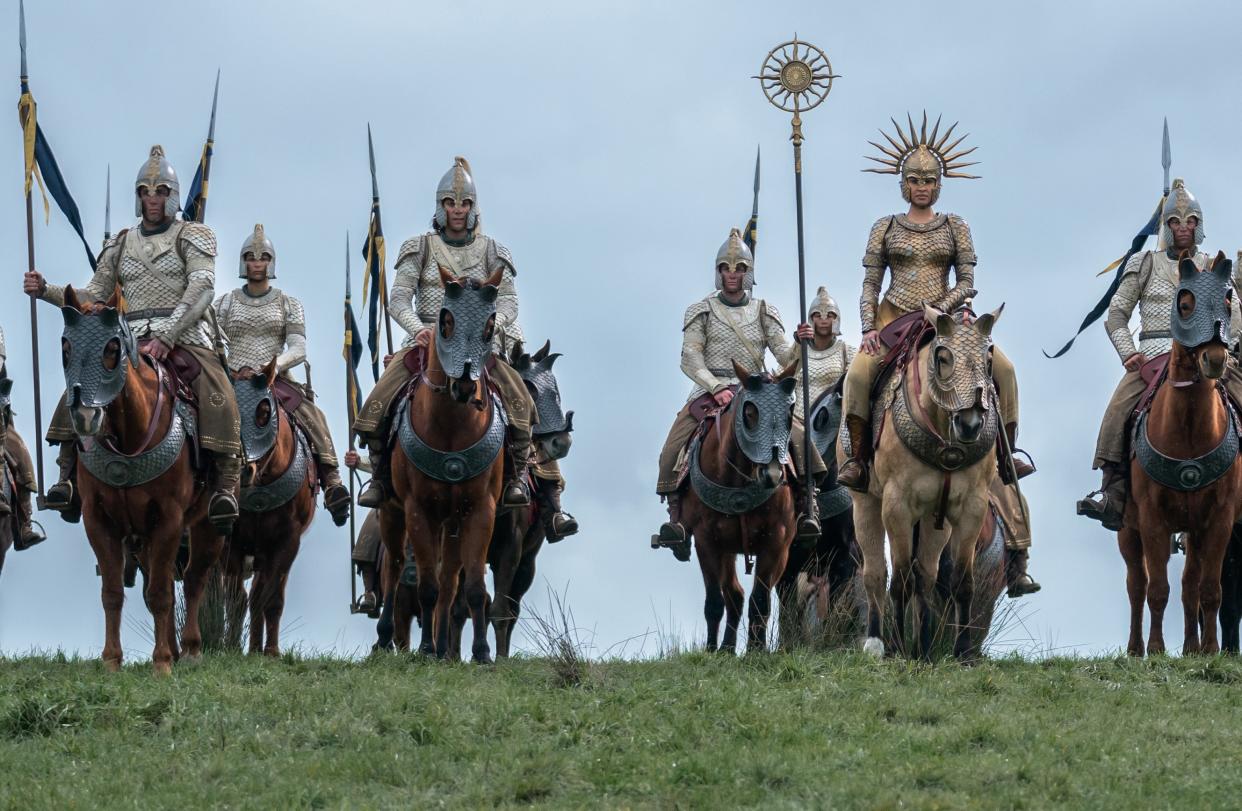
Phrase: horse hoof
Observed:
(112, 665)
(483, 659)
(192, 659)
(874, 647)
(163, 669)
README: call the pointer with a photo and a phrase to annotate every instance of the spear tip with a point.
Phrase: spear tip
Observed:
(371, 156)
(21, 33)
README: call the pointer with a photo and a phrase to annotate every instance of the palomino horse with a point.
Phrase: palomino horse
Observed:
(520, 535)
(139, 488)
(1185, 471)
(740, 502)
(932, 469)
(277, 507)
(447, 478)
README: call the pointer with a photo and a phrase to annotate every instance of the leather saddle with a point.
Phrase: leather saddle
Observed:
(1153, 372)
(289, 397)
(182, 370)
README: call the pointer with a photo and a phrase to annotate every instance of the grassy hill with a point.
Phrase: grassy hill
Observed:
(822, 730)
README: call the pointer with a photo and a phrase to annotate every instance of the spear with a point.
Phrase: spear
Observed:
(351, 400)
(26, 112)
(1166, 156)
(108, 208)
(796, 77)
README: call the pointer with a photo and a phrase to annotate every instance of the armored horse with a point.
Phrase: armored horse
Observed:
(1185, 471)
(139, 484)
(933, 466)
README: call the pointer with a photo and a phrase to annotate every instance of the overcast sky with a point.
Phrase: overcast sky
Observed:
(613, 144)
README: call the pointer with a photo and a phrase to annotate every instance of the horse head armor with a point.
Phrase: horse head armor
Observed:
(466, 324)
(553, 429)
(1201, 304)
(260, 415)
(763, 410)
(97, 349)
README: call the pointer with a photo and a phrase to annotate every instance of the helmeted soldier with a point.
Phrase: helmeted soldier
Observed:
(1148, 282)
(918, 249)
(18, 458)
(729, 325)
(828, 357)
(457, 243)
(263, 322)
(165, 268)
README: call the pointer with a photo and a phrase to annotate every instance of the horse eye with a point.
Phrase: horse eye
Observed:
(750, 416)
(446, 324)
(944, 363)
(112, 354)
(263, 413)
(65, 350)
(489, 329)
(1186, 303)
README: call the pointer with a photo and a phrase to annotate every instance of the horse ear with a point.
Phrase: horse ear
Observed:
(1222, 267)
(112, 299)
(269, 372)
(446, 278)
(1186, 269)
(787, 385)
(551, 359)
(790, 370)
(987, 321)
(121, 305)
(71, 298)
(739, 372)
(569, 421)
(943, 322)
(109, 317)
(6, 386)
(489, 293)
(543, 351)
(495, 279)
(516, 351)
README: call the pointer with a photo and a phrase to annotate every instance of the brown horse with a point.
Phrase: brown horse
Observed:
(139, 488)
(740, 502)
(1185, 472)
(277, 507)
(448, 476)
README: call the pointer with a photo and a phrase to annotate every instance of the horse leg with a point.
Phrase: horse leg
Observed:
(205, 547)
(1131, 546)
(901, 547)
(505, 553)
(110, 552)
(258, 599)
(274, 610)
(476, 538)
(1156, 551)
(869, 528)
(448, 574)
(1212, 559)
(424, 541)
(713, 601)
(161, 558)
(1230, 605)
(962, 539)
(793, 615)
(384, 626)
(1191, 576)
(458, 614)
(926, 571)
(734, 600)
(769, 566)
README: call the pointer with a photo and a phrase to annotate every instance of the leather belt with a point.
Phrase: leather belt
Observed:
(150, 312)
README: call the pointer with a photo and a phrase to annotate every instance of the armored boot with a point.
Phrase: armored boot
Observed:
(515, 493)
(222, 510)
(335, 496)
(1016, 577)
(808, 527)
(1110, 508)
(1021, 467)
(557, 523)
(28, 532)
(379, 489)
(63, 496)
(854, 472)
(672, 534)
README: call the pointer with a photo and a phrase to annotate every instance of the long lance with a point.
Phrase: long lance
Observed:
(797, 81)
(1166, 156)
(754, 207)
(383, 288)
(108, 207)
(30, 265)
(207, 150)
(349, 410)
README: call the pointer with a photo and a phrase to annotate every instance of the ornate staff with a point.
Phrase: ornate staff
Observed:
(796, 76)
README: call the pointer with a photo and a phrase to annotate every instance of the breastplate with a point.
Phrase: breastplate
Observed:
(1156, 303)
(919, 258)
(824, 369)
(153, 278)
(723, 345)
(466, 261)
(255, 329)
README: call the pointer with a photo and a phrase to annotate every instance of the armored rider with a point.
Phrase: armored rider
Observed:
(828, 357)
(457, 243)
(1148, 281)
(918, 249)
(263, 322)
(18, 458)
(165, 269)
(729, 325)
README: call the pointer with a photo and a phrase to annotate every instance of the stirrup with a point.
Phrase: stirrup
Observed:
(673, 536)
(336, 502)
(222, 511)
(60, 496)
(1097, 510)
(28, 536)
(808, 530)
(515, 493)
(375, 494)
(569, 526)
(1024, 585)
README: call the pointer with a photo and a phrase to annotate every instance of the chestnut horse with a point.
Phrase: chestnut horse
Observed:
(277, 507)
(740, 502)
(1185, 471)
(139, 488)
(933, 464)
(447, 473)
(8, 521)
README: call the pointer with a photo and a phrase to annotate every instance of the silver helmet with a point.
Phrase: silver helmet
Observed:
(823, 304)
(257, 244)
(735, 254)
(156, 171)
(1181, 204)
(457, 185)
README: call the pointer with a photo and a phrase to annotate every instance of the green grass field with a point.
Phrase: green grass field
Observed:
(801, 730)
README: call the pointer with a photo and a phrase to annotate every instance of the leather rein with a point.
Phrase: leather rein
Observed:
(162, 389)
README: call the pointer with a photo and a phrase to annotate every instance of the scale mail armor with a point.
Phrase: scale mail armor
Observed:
(919, 257)
(417, 294)
(1149, 282)
(166, 295)
(260, 328)
(824, 369)
(716, 334)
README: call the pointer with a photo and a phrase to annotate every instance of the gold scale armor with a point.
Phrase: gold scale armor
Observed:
(919, 257)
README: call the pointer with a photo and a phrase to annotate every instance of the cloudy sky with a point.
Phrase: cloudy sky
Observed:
(613, 144)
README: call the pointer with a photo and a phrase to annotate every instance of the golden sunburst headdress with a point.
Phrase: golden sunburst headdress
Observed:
(921, 154)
